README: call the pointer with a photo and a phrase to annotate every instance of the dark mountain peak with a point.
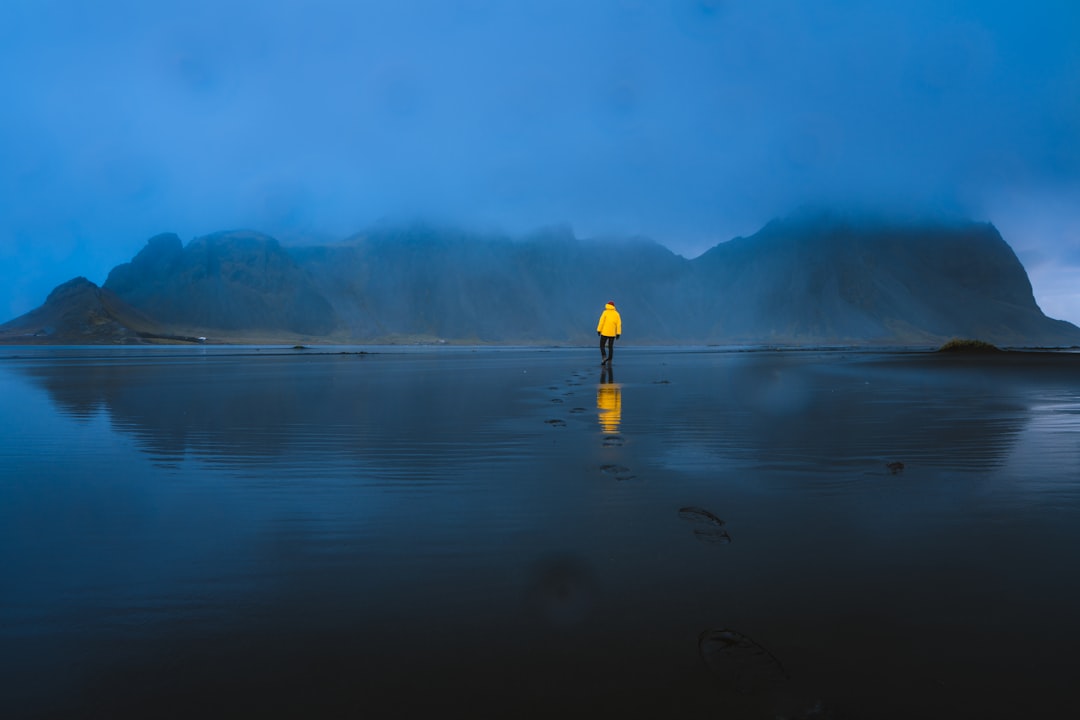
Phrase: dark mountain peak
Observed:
(163, 243)
(77, 312)
(243, 256)
(159, 251)
(237, 280)
(160, 257)
(73, 288)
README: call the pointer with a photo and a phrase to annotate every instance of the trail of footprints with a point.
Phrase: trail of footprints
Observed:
(576, 379)
(738, 663)
(707, 527)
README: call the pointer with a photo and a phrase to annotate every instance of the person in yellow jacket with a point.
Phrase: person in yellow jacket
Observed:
(609, 329)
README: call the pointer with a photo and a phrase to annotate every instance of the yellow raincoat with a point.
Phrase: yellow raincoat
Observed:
(610, 323)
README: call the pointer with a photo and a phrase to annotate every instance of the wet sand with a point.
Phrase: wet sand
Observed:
(511, 532)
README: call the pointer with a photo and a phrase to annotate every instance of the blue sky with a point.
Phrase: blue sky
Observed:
(689, 121)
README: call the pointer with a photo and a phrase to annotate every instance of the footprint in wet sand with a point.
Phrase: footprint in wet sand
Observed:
(556, 400)
(613, 441)
(708, 528)
(577, 410)
(895, 467)
(620, 472)
(555, 422)
(739, 662)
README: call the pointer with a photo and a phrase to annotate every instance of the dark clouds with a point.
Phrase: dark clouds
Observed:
(687, 121)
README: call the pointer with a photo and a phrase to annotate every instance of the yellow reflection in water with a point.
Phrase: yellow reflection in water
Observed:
(609, 401)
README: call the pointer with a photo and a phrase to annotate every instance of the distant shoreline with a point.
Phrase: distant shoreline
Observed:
(333, 347)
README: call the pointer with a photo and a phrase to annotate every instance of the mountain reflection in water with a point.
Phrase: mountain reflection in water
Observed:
(216, 532)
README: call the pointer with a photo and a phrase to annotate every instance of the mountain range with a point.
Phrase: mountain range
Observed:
(809, 279)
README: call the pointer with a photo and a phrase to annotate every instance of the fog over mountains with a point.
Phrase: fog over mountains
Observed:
(805, 280)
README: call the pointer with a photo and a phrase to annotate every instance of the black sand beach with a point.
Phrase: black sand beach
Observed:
(500, 532)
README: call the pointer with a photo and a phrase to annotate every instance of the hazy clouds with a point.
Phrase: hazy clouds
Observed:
(688, 121)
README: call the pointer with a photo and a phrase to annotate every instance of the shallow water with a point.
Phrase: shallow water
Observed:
(210, 532)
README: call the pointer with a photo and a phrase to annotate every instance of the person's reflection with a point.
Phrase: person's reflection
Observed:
(609, 401)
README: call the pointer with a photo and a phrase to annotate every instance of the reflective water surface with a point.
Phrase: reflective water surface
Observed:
(223, 532)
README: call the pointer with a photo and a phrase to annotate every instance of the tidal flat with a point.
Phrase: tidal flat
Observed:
(517, 532)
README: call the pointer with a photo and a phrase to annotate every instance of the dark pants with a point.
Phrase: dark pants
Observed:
(610, 347)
